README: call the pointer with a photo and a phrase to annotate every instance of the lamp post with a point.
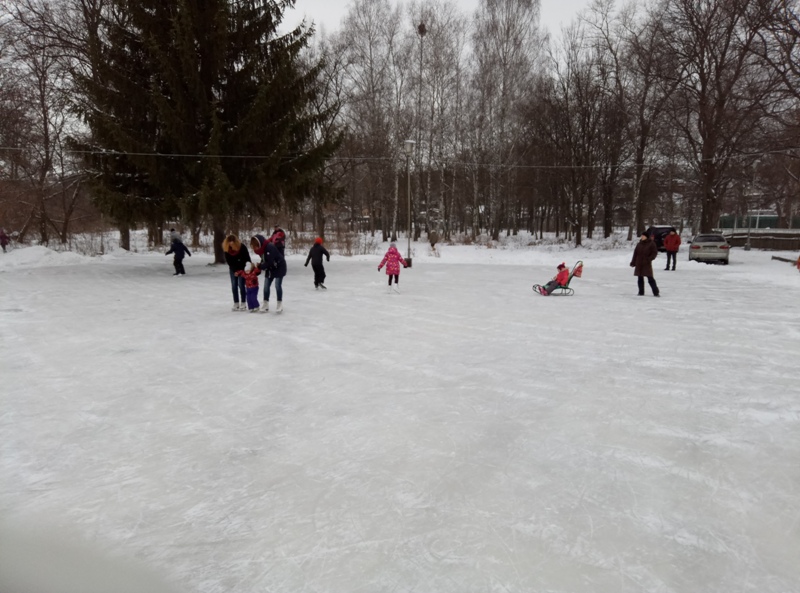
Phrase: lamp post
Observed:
(421, 30)
(752, 193)
(408, 148)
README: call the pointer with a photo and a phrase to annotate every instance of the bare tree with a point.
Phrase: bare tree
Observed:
(723, 88)
(506, 44)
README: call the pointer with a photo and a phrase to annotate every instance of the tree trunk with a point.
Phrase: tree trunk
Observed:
(219, 237)
(125, 236)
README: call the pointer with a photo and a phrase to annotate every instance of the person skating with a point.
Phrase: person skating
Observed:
(4, 240)
(236, 256)
(560, 279)
(642, 263)
(250, 275)
(315, 255)
(179, 250)
(274, 265)
(672, 243)
(393, 260)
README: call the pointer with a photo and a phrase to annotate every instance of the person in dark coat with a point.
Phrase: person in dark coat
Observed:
(315, 255)
(642, 263)
(672, 243)
(274, 265)
(179, 250)
(3, 239)
(236, 256)
(278, 238)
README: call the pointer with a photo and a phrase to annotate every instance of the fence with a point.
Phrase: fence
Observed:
(771, 239)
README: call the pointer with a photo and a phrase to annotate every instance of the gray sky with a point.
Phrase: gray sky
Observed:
(328, 13)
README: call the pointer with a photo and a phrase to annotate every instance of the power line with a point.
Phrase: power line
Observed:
(113, 153)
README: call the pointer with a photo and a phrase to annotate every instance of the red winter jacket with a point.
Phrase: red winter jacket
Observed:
(392, 259)
(672, 242)
(562, 277)
(250, 278)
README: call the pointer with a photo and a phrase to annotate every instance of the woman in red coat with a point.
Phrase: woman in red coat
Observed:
(642, 263)
(393, 260)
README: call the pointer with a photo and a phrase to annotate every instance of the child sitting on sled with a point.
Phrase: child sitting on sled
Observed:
(559, 279)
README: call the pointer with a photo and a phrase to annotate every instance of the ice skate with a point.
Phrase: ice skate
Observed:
(396, 288)
(242, 306)
(323, 287)
(389, 289)
(235, 307)
(279, 308)
(264, 307)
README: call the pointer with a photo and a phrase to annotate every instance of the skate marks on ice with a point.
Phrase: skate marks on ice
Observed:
(459, 438)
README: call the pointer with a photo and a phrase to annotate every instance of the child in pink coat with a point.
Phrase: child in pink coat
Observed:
(393, 260)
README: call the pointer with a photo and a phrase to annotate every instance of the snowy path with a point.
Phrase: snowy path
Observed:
(463, 436)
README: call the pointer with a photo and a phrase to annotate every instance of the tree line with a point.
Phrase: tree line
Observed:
(660, 111)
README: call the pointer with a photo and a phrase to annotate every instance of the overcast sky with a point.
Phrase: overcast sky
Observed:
(328, 13)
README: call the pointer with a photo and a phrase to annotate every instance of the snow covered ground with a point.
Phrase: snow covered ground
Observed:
(466, 435)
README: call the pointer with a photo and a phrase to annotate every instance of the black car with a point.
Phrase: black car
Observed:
(658, 232)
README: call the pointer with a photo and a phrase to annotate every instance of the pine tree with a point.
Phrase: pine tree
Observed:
(208, 103)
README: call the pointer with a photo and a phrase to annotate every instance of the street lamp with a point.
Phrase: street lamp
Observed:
(752, 193)
(408, 148)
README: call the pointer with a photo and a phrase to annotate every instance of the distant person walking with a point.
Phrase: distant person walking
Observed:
(236, 256)
(179, 250)
(642, 263)
(278, 238)
(393, 260)
(315, 255)
(672, 243)
(4, 240)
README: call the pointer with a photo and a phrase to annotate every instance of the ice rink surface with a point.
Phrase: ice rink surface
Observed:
(465, 435)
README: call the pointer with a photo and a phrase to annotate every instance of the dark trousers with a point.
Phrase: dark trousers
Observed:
(319, 274)
(673, 255)
(238, 288)
(179, 269)
(651, 281)
(278, 288)
(550, 286)
(396, 279)
(252, 297)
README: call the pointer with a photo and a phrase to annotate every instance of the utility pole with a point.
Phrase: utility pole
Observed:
(421, 30)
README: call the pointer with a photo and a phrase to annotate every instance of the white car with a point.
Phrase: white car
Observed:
(709, 248)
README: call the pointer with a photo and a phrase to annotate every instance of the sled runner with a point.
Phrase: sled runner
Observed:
(565, 290)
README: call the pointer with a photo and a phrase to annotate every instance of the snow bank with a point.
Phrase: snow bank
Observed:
(40, 257)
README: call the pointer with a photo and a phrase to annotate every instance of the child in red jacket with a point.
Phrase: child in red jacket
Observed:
(559, 279)
(250, 275)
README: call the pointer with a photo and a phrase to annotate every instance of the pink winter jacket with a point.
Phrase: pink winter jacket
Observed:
(392, 259)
